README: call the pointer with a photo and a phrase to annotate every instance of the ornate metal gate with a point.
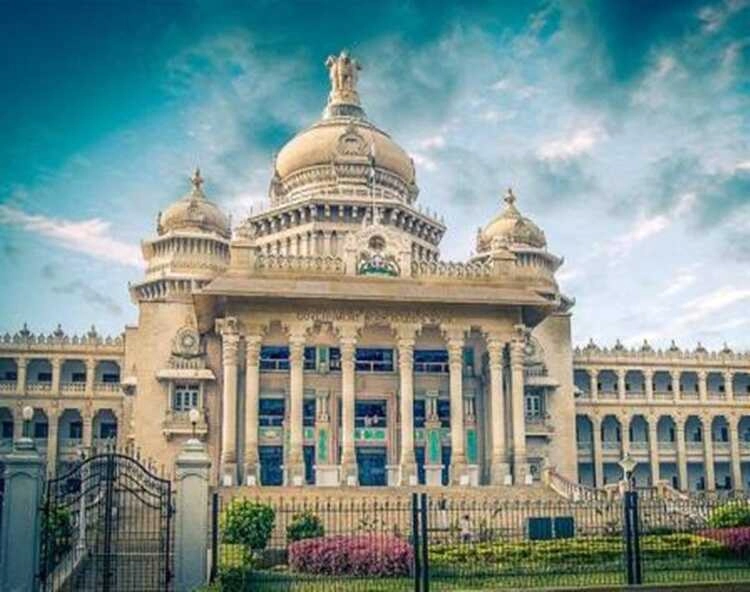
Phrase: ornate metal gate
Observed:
(107, 526)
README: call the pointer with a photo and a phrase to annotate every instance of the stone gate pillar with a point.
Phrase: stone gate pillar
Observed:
(19, 545)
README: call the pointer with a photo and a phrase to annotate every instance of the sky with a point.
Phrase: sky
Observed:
(623, 127)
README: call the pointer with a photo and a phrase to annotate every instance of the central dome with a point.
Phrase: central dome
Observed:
(343, 153)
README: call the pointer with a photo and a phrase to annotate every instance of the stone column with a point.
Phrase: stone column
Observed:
(192, 468)
(229, 343)
(621, 383)
(594, 383)
(682, 474)
(87, 425)
(675, 374)
(455, 343)
(347, 343)
(520, 466)
(625, 433)
(729, 385)
(407, 462)
(53, 417)
(90, 375)
(734, 451)
(56, 364)
(19, 536)
(252, 402)
(21, 366)
(295, 460)
(499, 466)
(598, 457)
(653, 448)
(703, 386)
(648, 383)
(708, 454)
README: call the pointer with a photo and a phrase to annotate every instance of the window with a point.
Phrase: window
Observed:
(370, 414)
(444, 412)
(374, 360)
(309, 363)
(78, 377)
(7, 430)
(431, 360)
(420, 413)
(108, 430)
(533, 406)
(44, 377)
(274, 357)
(185, 397)
(111, 377)
(75, 430)
(334, 355)
(40, 430)
(469, 360)
(10, 375)
(308, 412)
(271, 412)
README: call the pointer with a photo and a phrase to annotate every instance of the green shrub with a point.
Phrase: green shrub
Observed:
(730, 515)
(248, 524)
(304, 526)
(57, 525)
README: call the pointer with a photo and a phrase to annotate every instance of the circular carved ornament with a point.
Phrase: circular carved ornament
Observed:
(187, 342)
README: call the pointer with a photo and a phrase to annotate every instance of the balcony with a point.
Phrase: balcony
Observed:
(721, 446)
(72, 388)
(8, 386)
(178, 423)
(689, 396)
(639, 445)
(107, 387)
(38, 388)
(608, 395)
(538, 425)
(663, 396)
(716, 396)
(638, 395)
(431, 367)
(611, 445)
(585, 447)
(667, 446)
(692, 446)
(70, 448)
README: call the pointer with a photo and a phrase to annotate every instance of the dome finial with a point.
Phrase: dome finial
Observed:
(510, 198)
(343, 100)
(197, 182)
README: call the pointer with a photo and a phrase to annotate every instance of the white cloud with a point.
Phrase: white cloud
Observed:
(91, 237)
(681, 282)
(712, 302)
(580, 142)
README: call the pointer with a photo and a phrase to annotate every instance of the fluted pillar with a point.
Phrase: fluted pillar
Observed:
(598, 458)
(295, 458)
(407, 462)
(455, 342)
(518, 410)
(499, 466)
(347, 343)
(252, 402)
(735, 458)
(648, 384)
(594, 383)
(708, 453)
(682, 474)
(621, 383)
(653, 449)
(229, 343)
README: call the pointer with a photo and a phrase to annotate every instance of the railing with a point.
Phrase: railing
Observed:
(663, 396)
(70, 445)
(449, 269)
(432, 367)
(721, 446)
(274, 364)
(585, 446)
(38, 387)
(370, 366)
(610, 395)
(8, 386)
(107, 387)
(73, 387)
(716, 396)
(300, 263)
(667, 446)
(639, 444)
(692, 446)
(610, 445)
(568, 489)
(689, 396)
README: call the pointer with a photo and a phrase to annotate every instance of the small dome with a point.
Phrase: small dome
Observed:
(343, 148)
(510, 228)
(194, 212)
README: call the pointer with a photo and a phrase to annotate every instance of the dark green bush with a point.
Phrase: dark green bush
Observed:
(730, 515)
(305, 525)
(57, 525)
(248, 524)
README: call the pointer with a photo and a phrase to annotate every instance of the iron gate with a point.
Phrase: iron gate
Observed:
(107, 526)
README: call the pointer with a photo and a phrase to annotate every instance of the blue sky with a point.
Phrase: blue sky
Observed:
(623, 127)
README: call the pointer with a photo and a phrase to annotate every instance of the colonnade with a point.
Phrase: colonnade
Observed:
(507, 436)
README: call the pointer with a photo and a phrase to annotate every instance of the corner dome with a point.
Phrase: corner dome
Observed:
(342, 149)
(194, 213)
(510, 228)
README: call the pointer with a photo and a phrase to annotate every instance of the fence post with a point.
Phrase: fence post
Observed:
(19, 546)
(214, 537)
(632, 538)
(191, 519)
(425, 544)
(415, 540)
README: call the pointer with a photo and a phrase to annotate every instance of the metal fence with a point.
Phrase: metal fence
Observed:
(439, 543)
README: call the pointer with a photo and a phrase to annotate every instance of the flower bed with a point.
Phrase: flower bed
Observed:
(354, 555)
(736, 540)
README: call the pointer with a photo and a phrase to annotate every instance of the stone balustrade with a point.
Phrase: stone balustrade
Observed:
(451, 270)
(299, 263)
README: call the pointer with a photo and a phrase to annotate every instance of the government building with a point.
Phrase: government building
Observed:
(325, 343)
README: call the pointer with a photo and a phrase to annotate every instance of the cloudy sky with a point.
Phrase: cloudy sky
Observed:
(623, 127)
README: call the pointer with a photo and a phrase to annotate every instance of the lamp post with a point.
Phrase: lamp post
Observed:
(628, 464)
(194, 416)
(27, 413)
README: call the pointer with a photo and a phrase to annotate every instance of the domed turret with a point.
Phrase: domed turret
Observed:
(194, 213)
(510, 229)
(343, 152)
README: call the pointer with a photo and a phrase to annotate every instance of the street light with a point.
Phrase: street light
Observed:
(194, 416)
(27, 413)
(628, 464)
